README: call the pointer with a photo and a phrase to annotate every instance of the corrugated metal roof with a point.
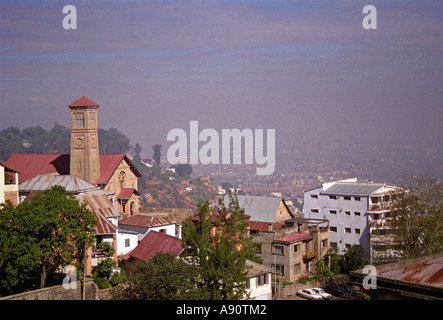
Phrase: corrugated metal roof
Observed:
(98, 202)
(258, 208)
(155, 242)
(352, 188)
(45, 181)
(429, 272)
(138, 220)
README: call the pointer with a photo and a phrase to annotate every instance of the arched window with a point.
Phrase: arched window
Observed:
(122, 178)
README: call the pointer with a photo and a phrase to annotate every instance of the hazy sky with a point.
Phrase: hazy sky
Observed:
(307, 69)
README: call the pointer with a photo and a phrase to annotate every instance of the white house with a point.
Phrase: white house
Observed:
(142, 224)
(258, 283)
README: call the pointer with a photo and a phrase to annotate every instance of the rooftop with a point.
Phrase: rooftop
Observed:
(83, 102)
(139, 220)
(155, 242)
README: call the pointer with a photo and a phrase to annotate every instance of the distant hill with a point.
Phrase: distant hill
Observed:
(163, 188)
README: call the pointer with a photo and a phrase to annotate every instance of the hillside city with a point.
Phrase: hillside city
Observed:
(306, 232)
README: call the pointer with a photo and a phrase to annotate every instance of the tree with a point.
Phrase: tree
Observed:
(164, 277)
(47, 232)
(183, 170)
(157, 153)
(221, 258)
(417, 218)
(113, 141)
(352, 259)
(137, 151)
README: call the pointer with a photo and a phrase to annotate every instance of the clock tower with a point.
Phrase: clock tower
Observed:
(85, 157)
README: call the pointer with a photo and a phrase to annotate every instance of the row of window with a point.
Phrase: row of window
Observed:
(280, 249)
(347, 230)
(80, 121)
(346, 198)
(347, 213)
(280, 268)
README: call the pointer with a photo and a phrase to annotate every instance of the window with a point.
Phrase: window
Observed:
(356, 213)
(296, 248)
(297, 268)
(357, 231)
(324, 243)
(348, 230)
(314, 210)
(347, 198)
(91, 121)
(357, 198)
(332, 211)
(257, 247)
(333, 197)
(279, 268)
(261, 280)
(314, 196)
(348, 213)
(80, 121)
(127, 242)
(279, 249)
(333, 229)
(334, 245)
(347, 245)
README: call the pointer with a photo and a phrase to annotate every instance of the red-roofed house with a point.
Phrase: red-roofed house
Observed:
(112, 172)
(152, 243)
(293, 249)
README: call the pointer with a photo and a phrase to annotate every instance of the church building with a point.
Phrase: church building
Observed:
(114, 173)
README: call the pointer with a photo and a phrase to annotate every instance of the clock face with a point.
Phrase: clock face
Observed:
(79, 142)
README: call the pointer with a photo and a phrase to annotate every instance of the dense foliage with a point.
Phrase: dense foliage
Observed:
(41, 236)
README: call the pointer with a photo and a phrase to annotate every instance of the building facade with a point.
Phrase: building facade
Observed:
(8, 184)
(351, 207)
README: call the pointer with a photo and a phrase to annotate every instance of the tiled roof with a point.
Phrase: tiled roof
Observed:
(294, 237)
(140, 220)
(31, 165)
(155, 242)
(109, 163)
(126, 193)
(83, 102)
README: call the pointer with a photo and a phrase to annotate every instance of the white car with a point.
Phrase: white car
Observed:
(322, 293)
(309, 294)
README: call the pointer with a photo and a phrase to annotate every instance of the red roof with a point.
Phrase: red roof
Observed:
(31, 165)
(140, 220)
(126, 193)
(295, 237)
(83, 102)
(155, 242)
(109, 163)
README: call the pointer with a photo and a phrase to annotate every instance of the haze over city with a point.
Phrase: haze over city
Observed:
(307, 69)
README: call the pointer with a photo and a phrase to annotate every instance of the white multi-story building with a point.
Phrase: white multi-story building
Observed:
(354, 209)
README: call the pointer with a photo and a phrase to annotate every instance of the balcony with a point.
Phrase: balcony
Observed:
(309, 255)
(380, 207)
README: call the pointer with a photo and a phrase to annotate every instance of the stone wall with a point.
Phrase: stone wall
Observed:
(58, 293)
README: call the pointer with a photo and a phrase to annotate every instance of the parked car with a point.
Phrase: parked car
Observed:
(348, 288)
(338, 291)
(322, 293)
(309, 294)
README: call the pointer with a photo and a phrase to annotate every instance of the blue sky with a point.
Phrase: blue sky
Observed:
(305, 68)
